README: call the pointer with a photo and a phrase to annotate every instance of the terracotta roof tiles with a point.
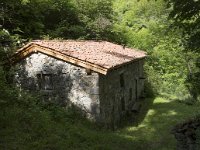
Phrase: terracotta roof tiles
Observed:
(101, 53)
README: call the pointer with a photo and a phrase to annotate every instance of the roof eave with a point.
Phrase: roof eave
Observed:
(34, 48)
(120, 65)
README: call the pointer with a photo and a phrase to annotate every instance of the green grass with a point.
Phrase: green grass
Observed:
(152, 130)
(44, 129)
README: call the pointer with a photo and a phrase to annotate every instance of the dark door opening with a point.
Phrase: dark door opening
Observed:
(136, 89)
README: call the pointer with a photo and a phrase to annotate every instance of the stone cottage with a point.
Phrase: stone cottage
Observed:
(103, 79)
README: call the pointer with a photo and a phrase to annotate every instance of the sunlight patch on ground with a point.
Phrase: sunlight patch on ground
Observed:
(172, 112)
(154, 129)
(161, 100)
(151, 131)
(130, 137)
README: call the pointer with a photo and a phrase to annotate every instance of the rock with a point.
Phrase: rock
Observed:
(186, 135)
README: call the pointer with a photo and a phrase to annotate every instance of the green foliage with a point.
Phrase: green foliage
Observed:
(172, 68)
(26, 19)
(58, 18)
(139, 24)
(28, 124)
(5, 41)
(145, 25)
(96, 16)
(186, 16)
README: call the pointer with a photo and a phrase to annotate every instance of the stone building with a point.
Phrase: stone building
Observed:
(103, 79)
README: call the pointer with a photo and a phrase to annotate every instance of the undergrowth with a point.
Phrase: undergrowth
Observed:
(27, 124)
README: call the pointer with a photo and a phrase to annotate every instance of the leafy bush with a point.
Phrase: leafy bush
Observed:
(146, 25)
(26, 123)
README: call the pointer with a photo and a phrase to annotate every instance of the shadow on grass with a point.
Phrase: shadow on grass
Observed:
(45, 129)
(135, 118)
(153, 129)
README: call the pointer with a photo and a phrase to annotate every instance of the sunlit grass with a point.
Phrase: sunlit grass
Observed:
(151, 130)
(154, 130)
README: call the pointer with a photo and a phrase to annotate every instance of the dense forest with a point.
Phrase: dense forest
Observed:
(168, 30)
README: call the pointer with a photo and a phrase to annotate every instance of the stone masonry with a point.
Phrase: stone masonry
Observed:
(65, 83)
(120, 89)
(103, 98)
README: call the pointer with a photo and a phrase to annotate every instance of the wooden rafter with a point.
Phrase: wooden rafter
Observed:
(34, 48)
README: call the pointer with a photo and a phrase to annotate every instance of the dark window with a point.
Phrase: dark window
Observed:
(123, 103)
(138, 67)
(122, 80)
(45, 81)
(136, 89)
(130, 94)
(88, 71)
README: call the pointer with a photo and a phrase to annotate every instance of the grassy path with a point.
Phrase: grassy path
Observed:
(28, 127)
(151, 133)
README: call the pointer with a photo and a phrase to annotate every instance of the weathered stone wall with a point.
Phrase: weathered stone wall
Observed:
(60, 82)
(106, 98)
(122, 86)
(187, 134)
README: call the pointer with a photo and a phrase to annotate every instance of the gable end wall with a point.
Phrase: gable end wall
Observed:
(71, 84)
(112, 93)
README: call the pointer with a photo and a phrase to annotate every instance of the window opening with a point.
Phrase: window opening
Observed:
(130, 94)
(136, 89)
(122, 80)
(88, 71)
(45, 81)
(123, 103)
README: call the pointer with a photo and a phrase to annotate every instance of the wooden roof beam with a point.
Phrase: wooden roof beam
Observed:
(36, 48)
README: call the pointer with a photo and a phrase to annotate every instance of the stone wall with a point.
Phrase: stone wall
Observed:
(60, 82)
(122, 88)
(105, 98)
(187, 134)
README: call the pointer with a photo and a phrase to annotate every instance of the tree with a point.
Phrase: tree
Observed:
(186, 14)
(96, 18)
(145, 25)
(22, 17)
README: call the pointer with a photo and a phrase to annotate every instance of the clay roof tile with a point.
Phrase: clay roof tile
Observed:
(102, 53)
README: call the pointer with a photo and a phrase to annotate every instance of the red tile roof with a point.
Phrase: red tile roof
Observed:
(101, 53)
